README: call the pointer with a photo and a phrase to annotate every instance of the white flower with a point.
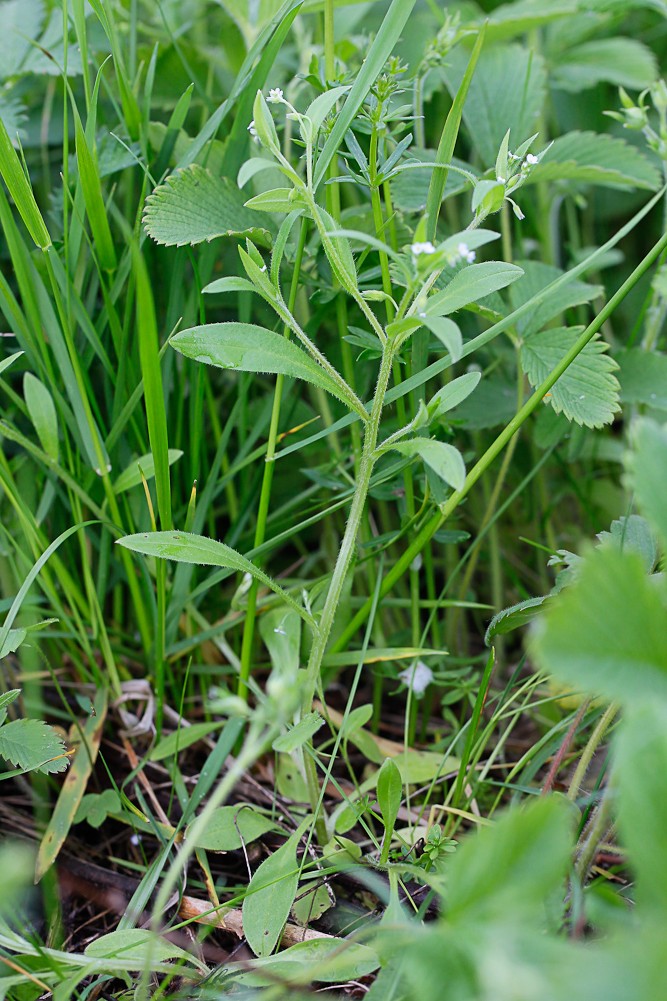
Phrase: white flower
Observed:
(275, 96)
(422, 248)
(500, 180)
(531, 160)
(464, 251)
(418, 677)
(252, 130)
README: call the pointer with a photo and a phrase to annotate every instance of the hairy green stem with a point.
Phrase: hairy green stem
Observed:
(429, 529)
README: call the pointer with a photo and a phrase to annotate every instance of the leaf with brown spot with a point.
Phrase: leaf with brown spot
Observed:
(73, 788)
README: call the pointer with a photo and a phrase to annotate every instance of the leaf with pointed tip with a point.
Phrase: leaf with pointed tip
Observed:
(194, 205)
(244, 347)
(472, 284)
(445, 460)
(270, 896)
(587, 392)
(447, 332)
(142, 468)
(184, 547)
(42, 413)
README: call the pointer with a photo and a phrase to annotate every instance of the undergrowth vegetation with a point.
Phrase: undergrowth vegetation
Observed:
(333, 493)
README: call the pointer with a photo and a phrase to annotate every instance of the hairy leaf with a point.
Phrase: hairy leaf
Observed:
(194, 205)
(245, 347)
(270, 896)
(592, 158)
(184, 547)
(445, 460)
(32, 744)
(472, 284)
(587, 392)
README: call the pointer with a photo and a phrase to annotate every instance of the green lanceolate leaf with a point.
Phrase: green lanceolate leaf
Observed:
(389, 791)
(297, 735)
(244, 347)
(141, 469)
(605, 634)
(447, 332)
(89, 178)
(270, 896)
(231, 827)
(136, 947)
(194, 205)
(21, 191)
(447, 142)
(587, 392)
(277, 200)
(184, 547)
(445, 460)
(452, 394)
(388, 34)
(42, 413)
(470, 285)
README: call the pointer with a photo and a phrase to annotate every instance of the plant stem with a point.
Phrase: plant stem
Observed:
(267, 481)
(346, 552)
(429, 529)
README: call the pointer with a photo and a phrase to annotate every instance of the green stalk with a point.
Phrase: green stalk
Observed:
(346, 553)
(267, 481)
(429, 529)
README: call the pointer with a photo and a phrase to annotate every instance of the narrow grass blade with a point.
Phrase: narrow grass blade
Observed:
(390, 30)
(73, 788)
(89, 179)
(447, 142)
(156, 417)
(21, 191)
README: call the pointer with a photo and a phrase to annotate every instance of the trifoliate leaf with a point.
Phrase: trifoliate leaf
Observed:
(587, 392)
(194, 205)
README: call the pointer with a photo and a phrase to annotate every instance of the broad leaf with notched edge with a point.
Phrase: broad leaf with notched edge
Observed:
(592, 158)
(32, 744)
(472, 284)
(506, 92)
(605, 634)
(184, 547)
(245, 347)
(194, 205)
(587, 392)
